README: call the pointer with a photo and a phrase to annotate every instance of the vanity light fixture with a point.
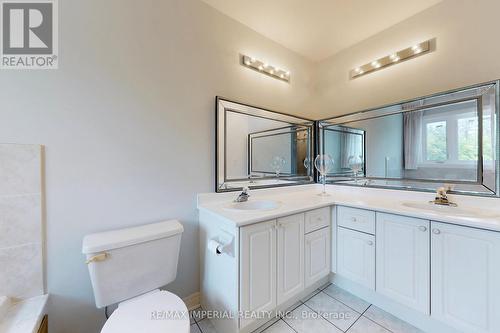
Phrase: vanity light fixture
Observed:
(265, 68)
(396, 57)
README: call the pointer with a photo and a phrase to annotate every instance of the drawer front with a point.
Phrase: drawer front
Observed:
(356, 219)
(317, 219)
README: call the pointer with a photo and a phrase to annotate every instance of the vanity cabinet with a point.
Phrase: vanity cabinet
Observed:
(465, 277)
(317, 253)
(258, 268)
(356, 256)
(403, 260)
(279, 260)
(290, 257)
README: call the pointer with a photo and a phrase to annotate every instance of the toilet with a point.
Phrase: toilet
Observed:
(127, 267)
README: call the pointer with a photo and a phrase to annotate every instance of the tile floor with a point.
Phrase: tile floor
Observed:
(329, 309)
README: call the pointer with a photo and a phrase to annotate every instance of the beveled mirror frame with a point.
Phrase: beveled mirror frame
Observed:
(475, 92)
(222, 106)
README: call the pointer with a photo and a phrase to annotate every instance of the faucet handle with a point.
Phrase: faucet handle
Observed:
(246, 189)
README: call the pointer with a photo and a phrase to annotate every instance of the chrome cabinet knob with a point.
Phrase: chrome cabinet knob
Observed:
(353, 219)
(436, 231)
(422, 228)
(370, 243)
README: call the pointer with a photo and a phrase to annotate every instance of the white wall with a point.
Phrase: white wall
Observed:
(128, 123)
(128, 119)
(467, 52)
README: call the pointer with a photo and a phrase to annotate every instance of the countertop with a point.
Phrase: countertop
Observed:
(23, 316)
(477, 212)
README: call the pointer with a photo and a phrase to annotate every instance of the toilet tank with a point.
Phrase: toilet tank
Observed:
(129, 262)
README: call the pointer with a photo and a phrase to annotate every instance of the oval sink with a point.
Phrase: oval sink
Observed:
(253, 205)
(451, 210)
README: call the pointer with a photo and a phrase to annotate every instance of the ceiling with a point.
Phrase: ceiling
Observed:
(318, 29)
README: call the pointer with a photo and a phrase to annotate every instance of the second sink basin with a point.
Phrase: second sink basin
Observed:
(459, 211)
(253, 205)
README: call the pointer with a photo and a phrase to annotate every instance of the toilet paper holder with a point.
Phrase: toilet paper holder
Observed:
(222, 244)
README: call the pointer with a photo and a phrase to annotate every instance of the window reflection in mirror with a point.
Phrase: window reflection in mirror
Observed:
(422, 144)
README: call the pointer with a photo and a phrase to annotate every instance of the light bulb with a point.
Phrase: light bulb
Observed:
(376, 64)
(394, 57)
(416, 48)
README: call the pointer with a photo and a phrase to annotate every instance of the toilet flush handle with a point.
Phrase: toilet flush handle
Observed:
(98, 257)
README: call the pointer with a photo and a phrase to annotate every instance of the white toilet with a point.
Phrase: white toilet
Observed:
(127, 266)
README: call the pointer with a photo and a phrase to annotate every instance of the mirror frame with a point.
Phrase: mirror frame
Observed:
(224, 105)
(474, 92)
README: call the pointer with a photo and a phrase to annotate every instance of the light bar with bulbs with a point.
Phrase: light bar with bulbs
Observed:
(395, 58)
(265, 68)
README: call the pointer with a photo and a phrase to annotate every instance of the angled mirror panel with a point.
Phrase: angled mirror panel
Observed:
(448, 139)
(258, 148)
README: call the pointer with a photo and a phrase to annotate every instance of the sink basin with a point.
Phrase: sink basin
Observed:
(459, 211)
(253, 205)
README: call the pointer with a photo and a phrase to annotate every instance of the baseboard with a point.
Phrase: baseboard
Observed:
(192, 301)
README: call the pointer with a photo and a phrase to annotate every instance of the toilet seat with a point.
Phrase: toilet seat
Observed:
(154, 312)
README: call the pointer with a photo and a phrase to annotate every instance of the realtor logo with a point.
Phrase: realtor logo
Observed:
(29, 34)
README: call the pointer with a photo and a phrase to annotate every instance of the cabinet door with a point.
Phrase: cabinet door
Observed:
(257, 268)
(465, 278)
(317, 261)
(290, 256)
(356, 257)
(402, 260)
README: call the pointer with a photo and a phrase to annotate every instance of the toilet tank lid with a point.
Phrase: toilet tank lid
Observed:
(109, 240)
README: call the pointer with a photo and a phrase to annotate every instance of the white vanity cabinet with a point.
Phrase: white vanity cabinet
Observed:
(356, 257)
(258, 268)
(356, 245)
(290, 257)
(279, 261)
(465, 277)
(403, 260)
(317, 254)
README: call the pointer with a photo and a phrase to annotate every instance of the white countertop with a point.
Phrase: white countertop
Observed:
(22, 316)
(484, 212)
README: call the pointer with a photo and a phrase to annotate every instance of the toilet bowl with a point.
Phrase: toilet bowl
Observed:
(127, 267)
(155, 312)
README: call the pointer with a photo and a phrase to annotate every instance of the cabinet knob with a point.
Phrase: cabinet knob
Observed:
(319, 219)
(436, 231)
(353, 219)
(370, 243)
(422, 228)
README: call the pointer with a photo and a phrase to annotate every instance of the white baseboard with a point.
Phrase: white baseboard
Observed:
(192, 301)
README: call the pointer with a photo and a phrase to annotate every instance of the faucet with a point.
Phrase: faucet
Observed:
(243, 196)
(442, 198)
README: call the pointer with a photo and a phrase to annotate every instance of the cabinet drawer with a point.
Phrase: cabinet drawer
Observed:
(356, 219)
(317, 219)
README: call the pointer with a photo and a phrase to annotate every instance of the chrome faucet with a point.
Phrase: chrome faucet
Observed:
(243, 196)
(442, 198)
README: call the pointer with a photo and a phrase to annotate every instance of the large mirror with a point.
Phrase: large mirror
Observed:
(258, 148)
(448, 139)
